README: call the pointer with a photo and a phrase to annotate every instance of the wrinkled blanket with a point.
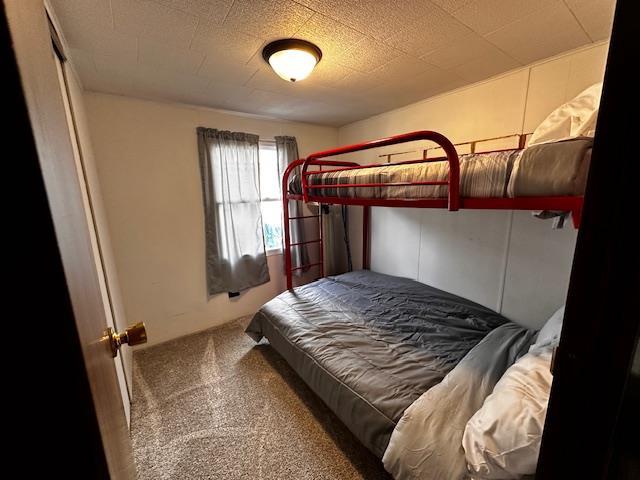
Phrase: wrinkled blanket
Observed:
(370, 344)
(427, 441)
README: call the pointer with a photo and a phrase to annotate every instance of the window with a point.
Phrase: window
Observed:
(270, 196)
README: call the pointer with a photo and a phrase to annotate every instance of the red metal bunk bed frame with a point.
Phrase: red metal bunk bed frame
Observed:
(453, 202)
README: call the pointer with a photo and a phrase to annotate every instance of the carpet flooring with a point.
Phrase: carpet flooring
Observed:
(214, 405)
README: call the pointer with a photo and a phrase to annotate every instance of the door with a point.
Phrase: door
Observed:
(592, 374)
(31, 42)
(69, 92)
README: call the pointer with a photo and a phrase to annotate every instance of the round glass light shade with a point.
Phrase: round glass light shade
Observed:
(293, 65)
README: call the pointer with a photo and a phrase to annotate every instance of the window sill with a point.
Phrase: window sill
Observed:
(274, 251)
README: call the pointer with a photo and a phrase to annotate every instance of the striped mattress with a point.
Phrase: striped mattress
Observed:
(482, 175)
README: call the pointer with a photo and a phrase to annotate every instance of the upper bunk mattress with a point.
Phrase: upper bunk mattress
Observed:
(370, 344)
(558, 169)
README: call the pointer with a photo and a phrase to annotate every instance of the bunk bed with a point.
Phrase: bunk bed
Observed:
(370, 344)
(487, 180)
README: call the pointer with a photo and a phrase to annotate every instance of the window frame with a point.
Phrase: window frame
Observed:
(271, 144)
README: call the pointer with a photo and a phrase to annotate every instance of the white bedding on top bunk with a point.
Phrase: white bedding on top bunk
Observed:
(574, 119)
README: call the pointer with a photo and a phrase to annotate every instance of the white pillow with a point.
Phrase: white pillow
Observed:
(576, 118)
(502, 439)
(549, 334)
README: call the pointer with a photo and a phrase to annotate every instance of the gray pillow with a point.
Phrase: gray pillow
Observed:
(549, 334)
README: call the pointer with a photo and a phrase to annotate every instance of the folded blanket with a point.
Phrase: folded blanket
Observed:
(427, 441)
(551, 169)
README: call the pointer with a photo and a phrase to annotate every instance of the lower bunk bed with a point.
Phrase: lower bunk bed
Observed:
(374, 346)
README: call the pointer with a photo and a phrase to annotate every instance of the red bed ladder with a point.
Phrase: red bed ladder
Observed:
(286, 198)
(288, 246)
(289, 268)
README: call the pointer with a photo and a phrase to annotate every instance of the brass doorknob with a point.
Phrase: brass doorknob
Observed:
(133, 335)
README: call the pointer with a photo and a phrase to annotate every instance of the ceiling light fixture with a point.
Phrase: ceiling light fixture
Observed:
(292, 59)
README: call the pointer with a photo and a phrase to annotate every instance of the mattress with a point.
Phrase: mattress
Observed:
(558, 169)
(370, 344)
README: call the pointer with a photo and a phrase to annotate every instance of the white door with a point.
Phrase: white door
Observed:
(123, 361)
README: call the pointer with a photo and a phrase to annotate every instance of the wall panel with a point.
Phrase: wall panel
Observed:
(519, 267)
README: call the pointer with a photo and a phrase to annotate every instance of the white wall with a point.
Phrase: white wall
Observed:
(505, 260)
(147, 161)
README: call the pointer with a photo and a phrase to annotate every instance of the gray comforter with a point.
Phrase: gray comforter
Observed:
(427, 441)
(370, 344)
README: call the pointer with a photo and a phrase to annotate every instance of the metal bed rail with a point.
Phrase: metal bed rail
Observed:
(452, 182)
(453, 201)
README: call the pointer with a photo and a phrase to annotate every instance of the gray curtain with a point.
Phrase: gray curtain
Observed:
(287, 151)
(235, 252)
(337, 258)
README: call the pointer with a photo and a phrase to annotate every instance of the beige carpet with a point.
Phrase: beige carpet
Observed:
(215, 405)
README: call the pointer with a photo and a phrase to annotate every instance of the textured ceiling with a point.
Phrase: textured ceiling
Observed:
(377, 54)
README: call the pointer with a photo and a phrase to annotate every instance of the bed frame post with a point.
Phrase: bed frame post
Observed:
(287, 241)
(576, 214)
(321, 244)
(286, 219)
(366, 216)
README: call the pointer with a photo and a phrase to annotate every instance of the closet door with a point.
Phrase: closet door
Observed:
(123, 362)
